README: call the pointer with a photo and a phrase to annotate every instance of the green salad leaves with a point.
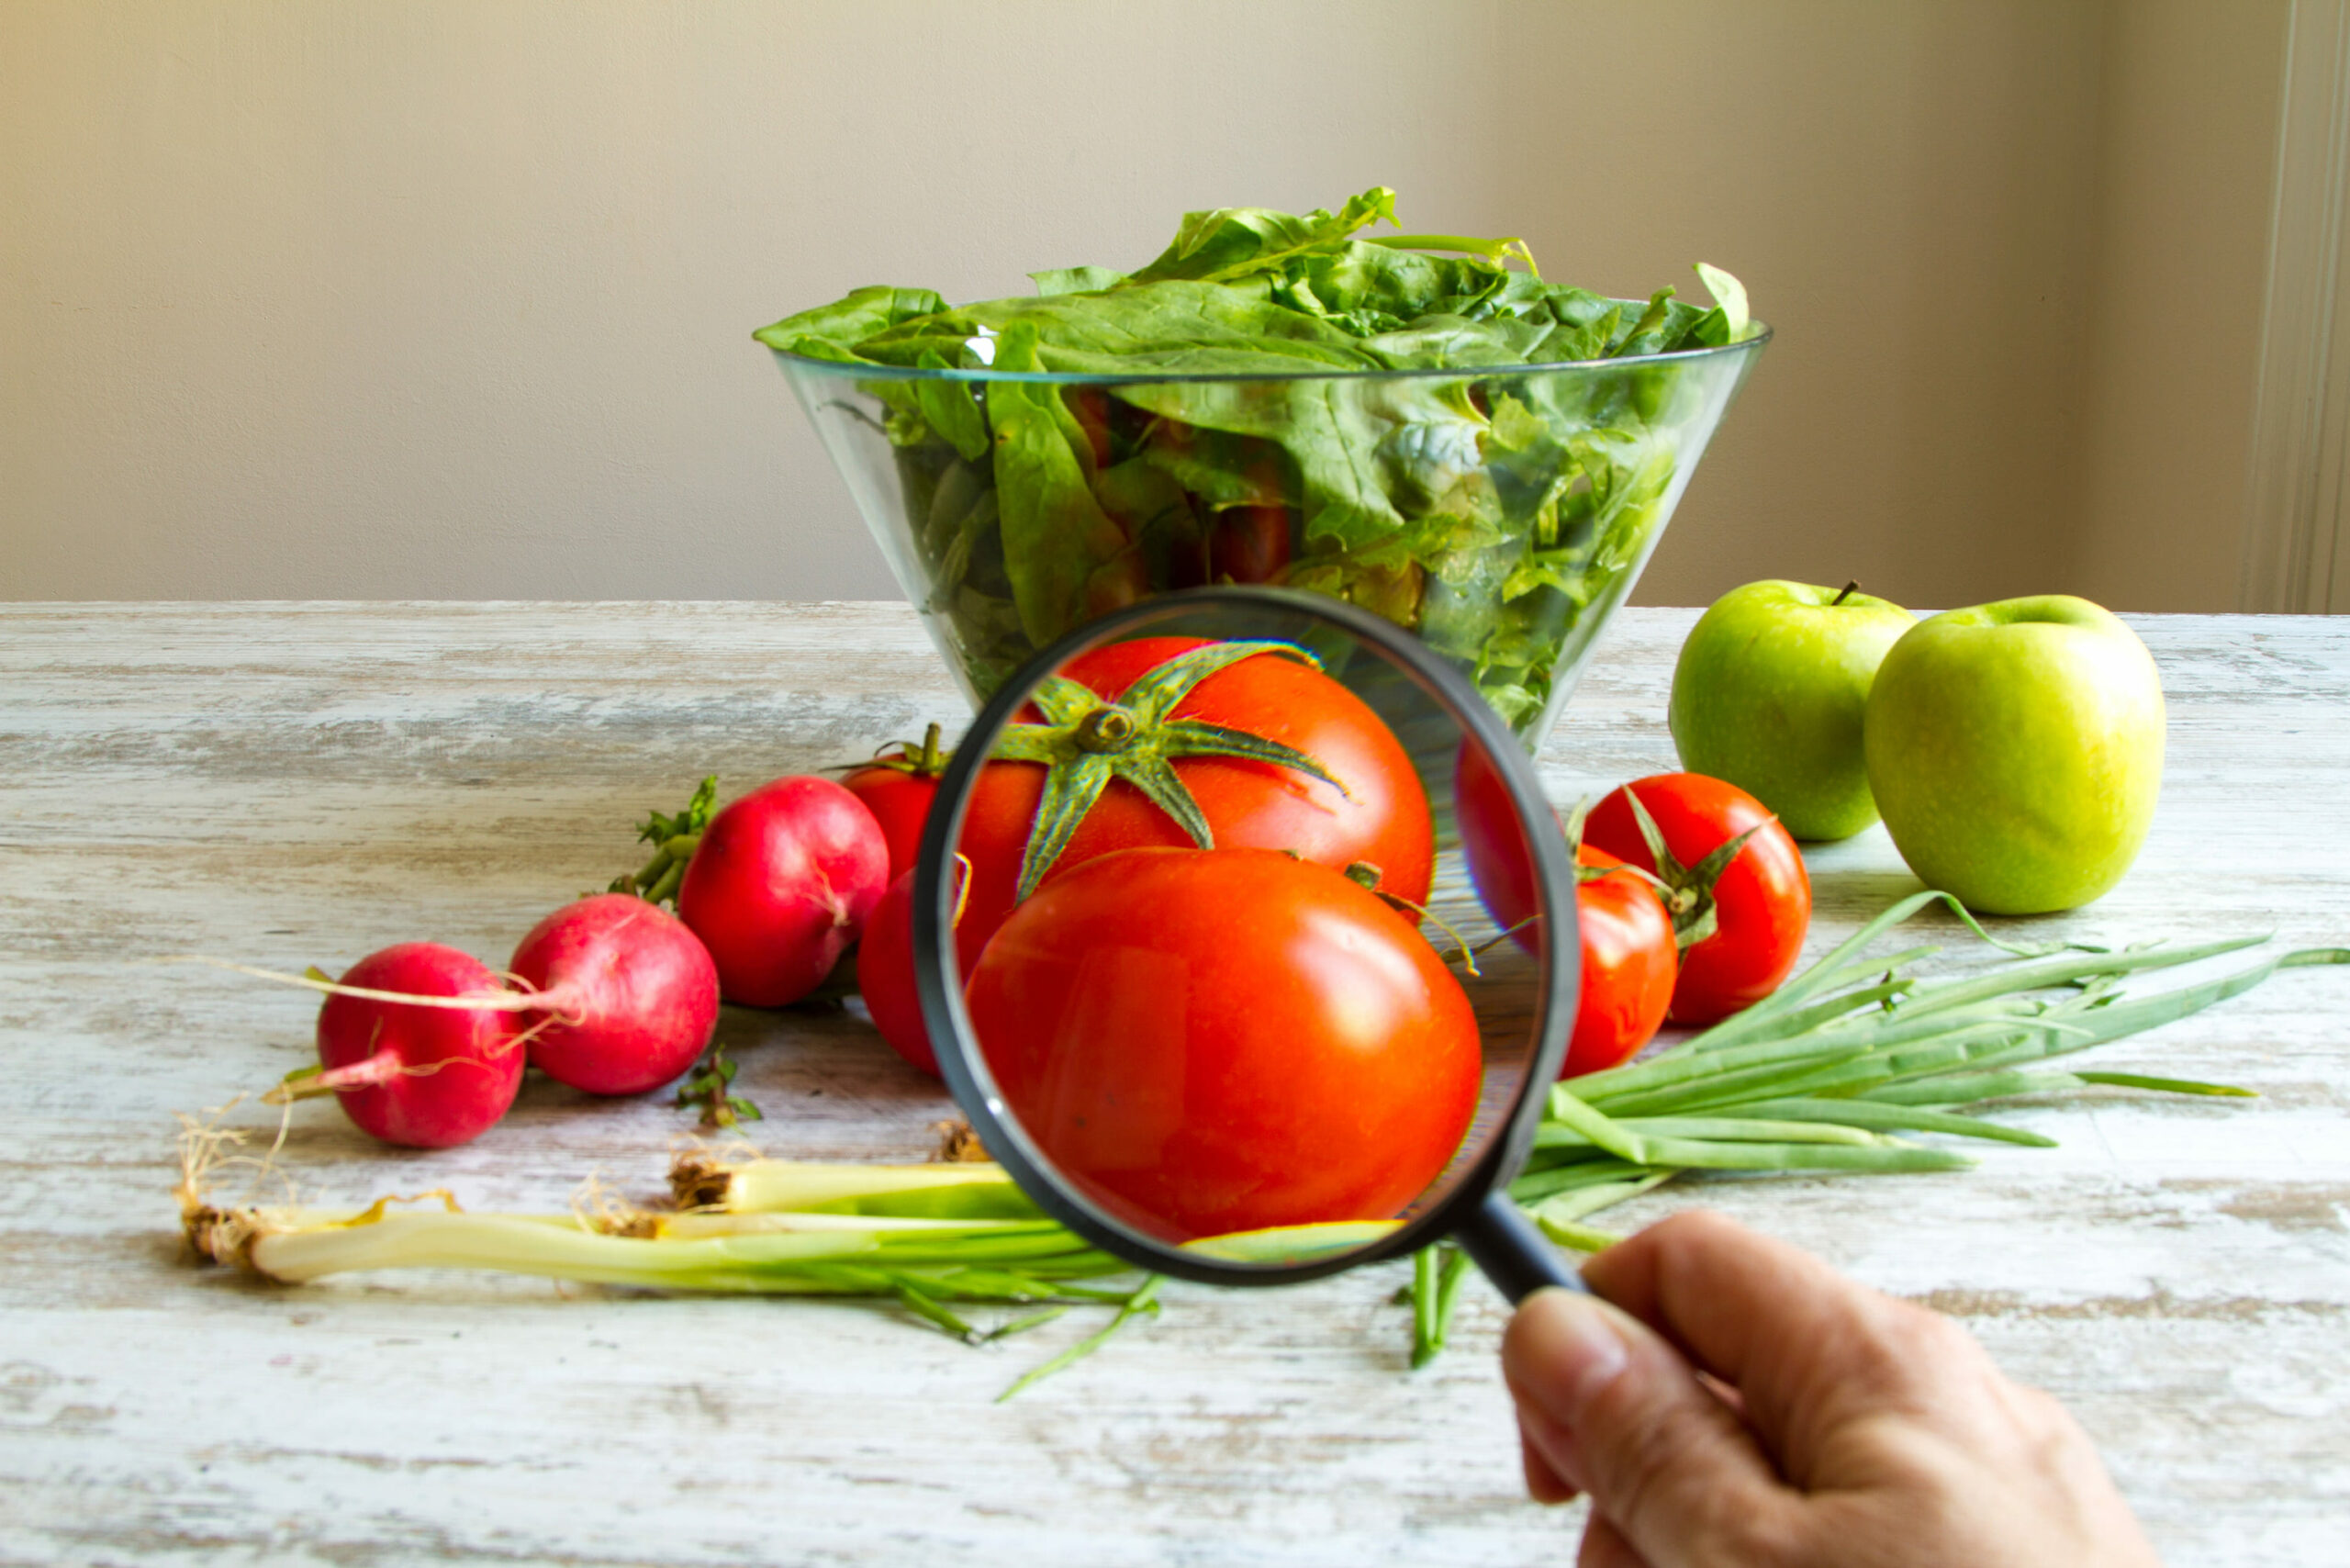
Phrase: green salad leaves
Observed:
(1241, 430)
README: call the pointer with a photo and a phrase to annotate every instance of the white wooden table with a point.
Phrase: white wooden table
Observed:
(290, 785)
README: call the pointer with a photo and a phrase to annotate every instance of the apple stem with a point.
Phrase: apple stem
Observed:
(1850, 589)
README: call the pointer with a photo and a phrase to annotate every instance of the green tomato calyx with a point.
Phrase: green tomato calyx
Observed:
(1085, 742)
(1688, 891)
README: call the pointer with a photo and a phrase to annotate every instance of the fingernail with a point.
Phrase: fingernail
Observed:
(1562, 1352)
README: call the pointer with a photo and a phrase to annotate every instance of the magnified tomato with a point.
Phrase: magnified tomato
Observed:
(1381, 815)
(1211, 1041)
(1501, 866)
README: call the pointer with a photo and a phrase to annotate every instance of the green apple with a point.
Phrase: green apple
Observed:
(1768, 695)
(2016, 750)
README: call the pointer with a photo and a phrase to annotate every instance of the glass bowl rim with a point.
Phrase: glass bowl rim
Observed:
(860, 370)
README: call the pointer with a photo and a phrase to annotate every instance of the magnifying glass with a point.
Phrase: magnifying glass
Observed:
(1244, 936)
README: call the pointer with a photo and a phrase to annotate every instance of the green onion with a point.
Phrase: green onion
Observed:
(1145, 1299)
(929, 1238)
(1437, 1276)
(1823, 1074)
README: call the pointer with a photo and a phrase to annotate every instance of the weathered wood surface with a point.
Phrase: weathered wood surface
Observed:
(288, 785)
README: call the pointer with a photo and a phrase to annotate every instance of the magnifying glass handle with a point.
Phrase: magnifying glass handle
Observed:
(1512, 1252)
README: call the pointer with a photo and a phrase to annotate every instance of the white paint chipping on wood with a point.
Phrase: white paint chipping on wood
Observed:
(297, 784)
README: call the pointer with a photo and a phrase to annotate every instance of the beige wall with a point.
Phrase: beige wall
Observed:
(453, 299)
(2189, 163)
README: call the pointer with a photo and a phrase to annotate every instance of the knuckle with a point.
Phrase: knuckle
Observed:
(1926, 1332)
(1680, 1243)
(1692, 1229)
(1907, 1347)
(2050, 1433)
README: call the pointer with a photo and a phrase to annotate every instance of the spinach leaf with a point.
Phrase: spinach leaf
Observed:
(1234, 242)
(950, 408)
(1055, 536)
(833, 332)
(1077, 280)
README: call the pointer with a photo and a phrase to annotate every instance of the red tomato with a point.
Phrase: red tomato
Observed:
(1761, 901)
(885, 976)
(1382, 817)
(1630, 958)
(899, 802)
(885, 973)
(898, 792)
(1226, 1040)
(1629, 963)
(1122, 581)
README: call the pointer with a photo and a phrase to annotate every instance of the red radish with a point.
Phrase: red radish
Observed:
(421, 1075)
(780, 886)
(629, 994)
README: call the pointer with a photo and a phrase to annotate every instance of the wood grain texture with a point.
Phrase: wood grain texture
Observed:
(296, 784)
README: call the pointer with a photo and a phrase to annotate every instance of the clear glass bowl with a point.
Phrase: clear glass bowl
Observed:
(1500, 514)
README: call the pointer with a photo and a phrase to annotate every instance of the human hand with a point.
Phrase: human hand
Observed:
(1734, 1401)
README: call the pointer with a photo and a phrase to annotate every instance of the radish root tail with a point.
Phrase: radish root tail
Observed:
(522, 1000)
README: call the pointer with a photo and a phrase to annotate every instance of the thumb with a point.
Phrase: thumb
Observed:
(1618, 1413)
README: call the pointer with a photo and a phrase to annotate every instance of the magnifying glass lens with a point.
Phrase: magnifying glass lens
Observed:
(1244, 963)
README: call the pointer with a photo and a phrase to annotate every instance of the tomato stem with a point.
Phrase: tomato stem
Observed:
(1688, 890)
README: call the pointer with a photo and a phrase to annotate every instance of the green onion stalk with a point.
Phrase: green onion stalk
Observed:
(1832, 1070)
(932, 1237)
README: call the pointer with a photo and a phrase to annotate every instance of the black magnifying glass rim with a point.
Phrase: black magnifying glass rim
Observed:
(938, 977)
